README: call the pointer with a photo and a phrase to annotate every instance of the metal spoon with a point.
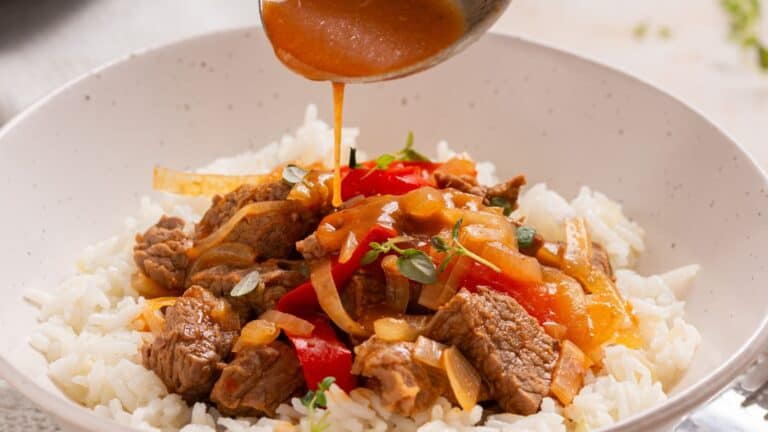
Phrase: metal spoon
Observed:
(479, 15)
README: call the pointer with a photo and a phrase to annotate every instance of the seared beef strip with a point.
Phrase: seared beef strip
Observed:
(187, 355)
(405, 385)
(272, 234)
(161, 253)
(508, 347)
(277, 276)
(258, 380)
(508, 190)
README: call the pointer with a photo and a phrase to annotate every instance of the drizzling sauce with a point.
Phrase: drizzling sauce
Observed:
(333, 39)
(338, 111)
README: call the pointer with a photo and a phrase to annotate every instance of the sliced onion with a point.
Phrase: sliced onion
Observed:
(148, 288)
(464, 379)
(568, 374)
(429, 352)
(350, 244)
(394, 330)
(192, 184)
(233, 254)
(253, 209)
(223, 314)
(398, 288)
(330, 302)
(557, 331)
(290, 323)
(150, 319)
(256, 333)
(419, 322)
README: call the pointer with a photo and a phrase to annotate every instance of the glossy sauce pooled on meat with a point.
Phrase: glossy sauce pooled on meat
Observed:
(328, 39)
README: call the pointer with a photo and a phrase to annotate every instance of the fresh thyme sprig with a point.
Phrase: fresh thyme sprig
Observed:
(453, 248)
(412, 263)
(316, 399)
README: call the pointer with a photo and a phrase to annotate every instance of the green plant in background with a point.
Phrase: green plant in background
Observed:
(744, 16)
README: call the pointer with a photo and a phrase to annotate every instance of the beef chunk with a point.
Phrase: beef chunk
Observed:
(161, 253)
(310, 248)
(463, 183)
(188, 353)
(508, 191)
(277, 277)
(365, 291)
(271, 235)
(258, 381)
(508, 347)
(405, 385)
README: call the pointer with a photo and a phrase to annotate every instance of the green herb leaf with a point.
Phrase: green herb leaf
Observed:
(370, 257)
(352, 158)
(308, 399)
(439, 244)
(417, 266)
(525, 237)
(409, 154)
(294, 174)
(456, 228)
(326, 383)
(744, 22)
(383, 161)
(246, 284)
(502, 202)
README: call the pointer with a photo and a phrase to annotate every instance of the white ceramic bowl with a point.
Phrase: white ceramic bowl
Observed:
(74, 165)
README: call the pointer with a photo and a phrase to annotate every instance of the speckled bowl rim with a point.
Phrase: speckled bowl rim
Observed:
(671, 410)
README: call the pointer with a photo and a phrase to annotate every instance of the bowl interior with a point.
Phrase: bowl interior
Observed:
(72, 168)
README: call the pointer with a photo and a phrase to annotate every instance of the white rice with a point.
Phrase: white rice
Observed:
(94, 355)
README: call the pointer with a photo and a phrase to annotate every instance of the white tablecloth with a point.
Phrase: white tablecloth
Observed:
(45, 43)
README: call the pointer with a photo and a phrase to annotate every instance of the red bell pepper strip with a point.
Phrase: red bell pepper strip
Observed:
(303, 300)
(397, 179)
(322, 355)
(533, 297)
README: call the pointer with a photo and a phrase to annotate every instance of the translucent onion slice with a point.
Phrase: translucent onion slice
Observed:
(330, 302)
(192, 184)
(569, 372)
(348, 248)
(419, 322)
(429, 352)
(223, 315)
(233, 254)
(256, 333)
(464, 379)
(557, 331)
(150, 319)
(254, 209)
(148, 288)
(394, 330)
(290, 323)
(398, 288)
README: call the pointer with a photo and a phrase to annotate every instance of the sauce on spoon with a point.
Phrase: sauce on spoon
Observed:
(330, 40)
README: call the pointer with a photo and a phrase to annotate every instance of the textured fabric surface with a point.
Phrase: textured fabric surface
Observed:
(19, 415)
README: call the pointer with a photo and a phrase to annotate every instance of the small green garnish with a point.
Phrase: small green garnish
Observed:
(502, 202)
(454, 248)
(412, 263)
(294, 174)
(665, 32)
(407, 154)
(525, 236)
(744, 21)
(316, 399)
(246, 284)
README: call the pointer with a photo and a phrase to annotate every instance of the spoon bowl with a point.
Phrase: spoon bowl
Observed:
(479, 16)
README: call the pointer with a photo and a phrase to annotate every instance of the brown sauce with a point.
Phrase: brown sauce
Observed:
(327, 39)
(321, 39)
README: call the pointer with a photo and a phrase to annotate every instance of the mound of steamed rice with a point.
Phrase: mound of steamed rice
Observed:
(94, 358)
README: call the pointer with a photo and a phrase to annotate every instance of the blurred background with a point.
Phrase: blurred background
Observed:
(705, 52)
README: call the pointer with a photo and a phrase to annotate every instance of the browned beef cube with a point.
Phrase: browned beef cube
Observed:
(508, 347)
(161, 253)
